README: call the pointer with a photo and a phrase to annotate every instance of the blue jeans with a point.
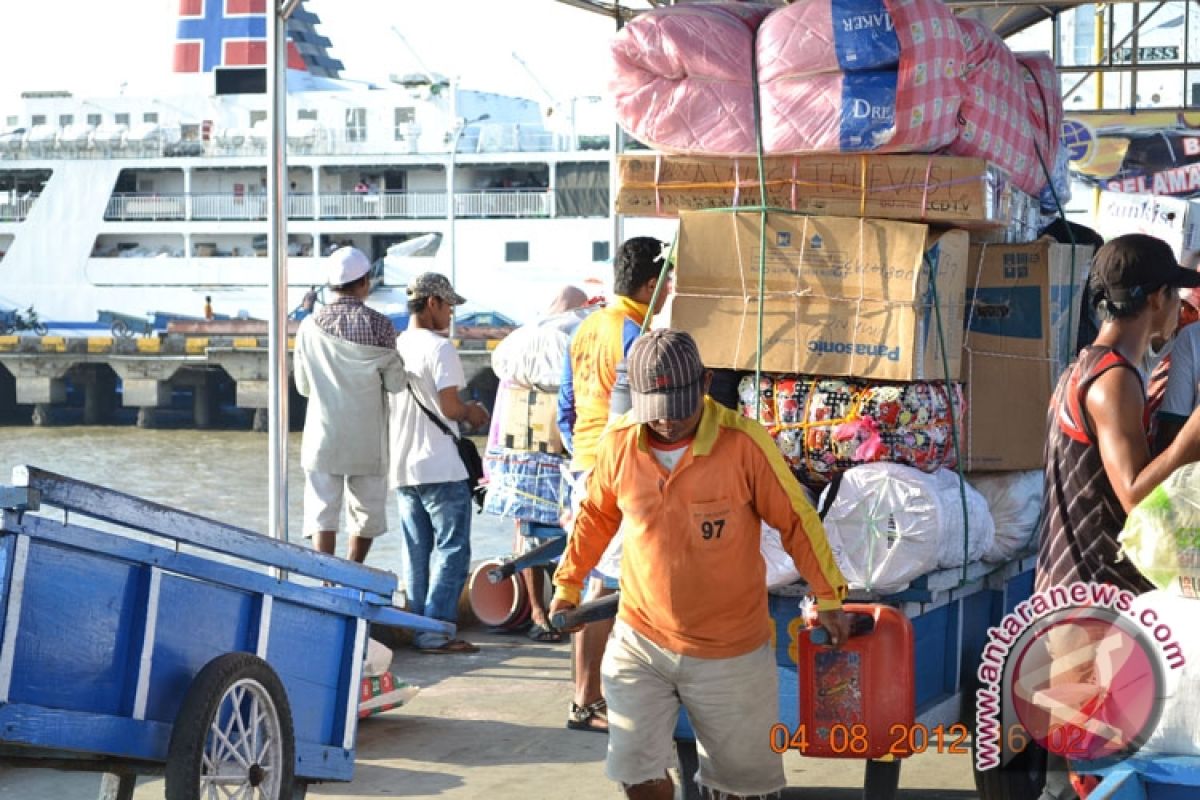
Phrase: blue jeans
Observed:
(436, 519)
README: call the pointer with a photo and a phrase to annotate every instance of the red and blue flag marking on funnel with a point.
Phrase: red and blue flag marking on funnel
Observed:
(224, 33)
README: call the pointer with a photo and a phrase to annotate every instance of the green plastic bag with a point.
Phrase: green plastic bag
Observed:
(1162, 535)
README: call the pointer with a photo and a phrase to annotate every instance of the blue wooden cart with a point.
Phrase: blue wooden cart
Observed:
(140, 639)
(1148, 778)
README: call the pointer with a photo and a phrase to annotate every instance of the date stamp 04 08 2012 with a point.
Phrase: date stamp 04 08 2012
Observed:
(914, 739)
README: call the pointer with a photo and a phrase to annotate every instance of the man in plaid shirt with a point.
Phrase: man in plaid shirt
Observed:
(346, 363)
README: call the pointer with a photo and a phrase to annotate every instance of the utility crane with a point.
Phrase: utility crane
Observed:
(553, 113)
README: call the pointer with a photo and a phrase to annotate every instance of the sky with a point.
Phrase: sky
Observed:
(90, 48)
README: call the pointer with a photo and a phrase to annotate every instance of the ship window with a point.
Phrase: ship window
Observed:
(599, 251)
(516, 251)
(93, 120)
(307, 113)
(121, 119)
(404, 118)
(356, 124)
(39, 119)
(256, 117)
(65, 119)
(150, 117)
(12, 121)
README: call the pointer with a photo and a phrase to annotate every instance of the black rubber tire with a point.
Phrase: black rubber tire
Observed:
(189, 734)
(689, 762)
(120, 329)
(881, 780)
(40, 329)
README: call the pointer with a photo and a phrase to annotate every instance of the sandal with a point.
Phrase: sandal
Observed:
(452, 646)
(544, 633)
(584, 718)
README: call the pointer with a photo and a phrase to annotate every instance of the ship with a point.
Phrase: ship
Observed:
(133, 211)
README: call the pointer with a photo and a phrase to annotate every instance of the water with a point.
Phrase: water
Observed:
(217, 474)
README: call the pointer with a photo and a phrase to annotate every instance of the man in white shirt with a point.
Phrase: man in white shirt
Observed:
(426, 470)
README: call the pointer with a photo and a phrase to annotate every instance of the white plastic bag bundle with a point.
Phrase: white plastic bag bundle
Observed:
(1162, 534)
(1015, 502)
(534, 354)
(981, 530)
(882, 527)
(781, 569)
(378, 660)
(1177, 732)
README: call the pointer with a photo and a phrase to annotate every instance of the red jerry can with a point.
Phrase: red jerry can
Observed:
(857, 701)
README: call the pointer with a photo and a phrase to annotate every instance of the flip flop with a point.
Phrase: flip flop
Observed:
(582, 718)
(452, 646)
(542, 633)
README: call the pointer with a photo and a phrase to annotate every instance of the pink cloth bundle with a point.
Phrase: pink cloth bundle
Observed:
(1012, 108)
(836, 76)
(683, 78)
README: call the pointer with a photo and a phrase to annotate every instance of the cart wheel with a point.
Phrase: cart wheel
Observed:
(233, 736)
(120, 329)
(40, 329)
(881, 780)
(1023, 778)
(689, 762)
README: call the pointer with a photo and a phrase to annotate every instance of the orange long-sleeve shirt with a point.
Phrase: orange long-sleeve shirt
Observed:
(693, 578)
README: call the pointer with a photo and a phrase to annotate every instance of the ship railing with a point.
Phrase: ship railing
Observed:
(15, 208)
(143, 207)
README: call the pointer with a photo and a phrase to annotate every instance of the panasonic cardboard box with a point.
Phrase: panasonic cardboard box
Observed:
(1021, 317)
(843, 296)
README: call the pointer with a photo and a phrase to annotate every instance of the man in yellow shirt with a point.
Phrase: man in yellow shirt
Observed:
(690, 482)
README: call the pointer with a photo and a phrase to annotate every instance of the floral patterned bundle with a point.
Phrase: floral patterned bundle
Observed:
(824, 426)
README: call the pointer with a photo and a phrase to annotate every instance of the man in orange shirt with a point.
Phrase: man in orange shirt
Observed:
(691, 483)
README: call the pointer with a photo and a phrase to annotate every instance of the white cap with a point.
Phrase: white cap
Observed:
(346, 265)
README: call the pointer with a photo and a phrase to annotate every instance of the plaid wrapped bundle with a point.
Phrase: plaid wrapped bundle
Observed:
(524, 485)
(383, 693)
(824, 426)
(1012, 108)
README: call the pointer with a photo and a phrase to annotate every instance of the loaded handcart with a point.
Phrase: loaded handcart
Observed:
(140, 639)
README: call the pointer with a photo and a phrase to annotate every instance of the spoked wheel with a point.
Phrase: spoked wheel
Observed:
(40, 329)
(233, 737)
(120, 329)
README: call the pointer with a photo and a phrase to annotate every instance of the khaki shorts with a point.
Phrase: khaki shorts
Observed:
(366, 503)
(731, 702)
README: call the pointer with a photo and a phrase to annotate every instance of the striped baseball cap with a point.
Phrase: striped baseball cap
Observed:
(665, 376)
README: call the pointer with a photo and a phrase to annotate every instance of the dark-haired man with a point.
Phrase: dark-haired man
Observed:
(427, 472)
(593, 390)
(1098, 462)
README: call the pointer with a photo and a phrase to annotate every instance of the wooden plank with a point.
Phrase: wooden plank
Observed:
(317, 762)
(19, 498)
(115, 786)
(81, 731)
(240, 578)
(1122, 783)
(12, 615)
(160, 520)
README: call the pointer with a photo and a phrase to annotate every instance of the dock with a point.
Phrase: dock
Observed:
(227, 365)
(492, 725)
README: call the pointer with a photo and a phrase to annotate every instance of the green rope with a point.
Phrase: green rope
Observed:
(958, 459)
(668, 264)
(760, 156)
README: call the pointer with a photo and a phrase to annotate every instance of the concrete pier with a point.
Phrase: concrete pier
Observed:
(146, 373)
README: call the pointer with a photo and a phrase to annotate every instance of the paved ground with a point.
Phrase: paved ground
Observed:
(491, 726)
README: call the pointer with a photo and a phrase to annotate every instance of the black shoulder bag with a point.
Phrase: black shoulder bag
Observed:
(467, 451)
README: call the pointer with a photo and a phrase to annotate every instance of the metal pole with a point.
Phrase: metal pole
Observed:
(277, 405)
(450, 209)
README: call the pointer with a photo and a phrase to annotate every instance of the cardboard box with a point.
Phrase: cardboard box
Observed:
(965, 192)
(1020, 333)
(843, 296)
(530, 421)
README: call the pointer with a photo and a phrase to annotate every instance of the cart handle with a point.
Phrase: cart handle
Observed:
(541, 554)
(594, 611)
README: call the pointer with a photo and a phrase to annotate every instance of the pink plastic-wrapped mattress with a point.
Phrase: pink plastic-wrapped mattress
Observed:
(835, 76)
(1012, 107)
(683, 77)
(853, 75)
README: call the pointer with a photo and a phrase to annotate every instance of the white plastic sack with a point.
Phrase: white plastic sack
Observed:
(891, 523)
(1177, 732)
(534, 354)
(378, 661)
(1162, 534)
(1015, 501)
(781, 569)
